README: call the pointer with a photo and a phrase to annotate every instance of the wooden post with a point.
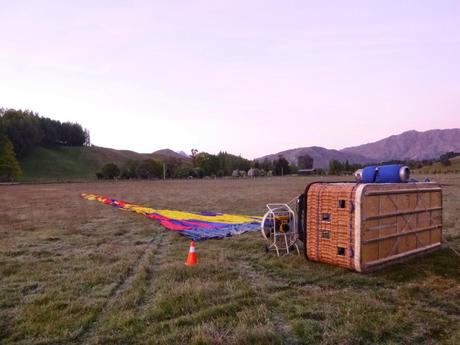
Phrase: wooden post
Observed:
(164, 171)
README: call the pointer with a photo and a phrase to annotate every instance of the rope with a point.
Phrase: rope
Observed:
(448, 245)
(458, 254)
(293, 201)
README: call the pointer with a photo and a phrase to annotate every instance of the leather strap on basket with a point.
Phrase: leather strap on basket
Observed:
(350, 227)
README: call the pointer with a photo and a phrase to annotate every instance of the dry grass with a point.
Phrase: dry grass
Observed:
(73, 271)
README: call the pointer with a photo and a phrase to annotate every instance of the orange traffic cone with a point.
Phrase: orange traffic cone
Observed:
(191, 258)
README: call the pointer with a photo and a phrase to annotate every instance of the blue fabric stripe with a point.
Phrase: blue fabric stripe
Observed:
(200, 234)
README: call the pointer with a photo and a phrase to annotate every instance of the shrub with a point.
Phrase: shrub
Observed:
(9, 166)
(110, 171)
(149, 168)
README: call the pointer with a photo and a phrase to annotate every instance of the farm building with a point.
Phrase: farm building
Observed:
(306, 171)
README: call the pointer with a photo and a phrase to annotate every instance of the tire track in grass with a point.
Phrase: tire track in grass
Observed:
(150, 292)
(188, 321)
(260, 283)
(123, 285)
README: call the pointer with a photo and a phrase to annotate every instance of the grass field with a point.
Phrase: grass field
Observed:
(74, 271)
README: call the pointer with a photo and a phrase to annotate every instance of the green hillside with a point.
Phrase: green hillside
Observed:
(71, 163)
(438, 168)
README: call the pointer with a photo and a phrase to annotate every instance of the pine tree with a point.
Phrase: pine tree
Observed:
(9, 165)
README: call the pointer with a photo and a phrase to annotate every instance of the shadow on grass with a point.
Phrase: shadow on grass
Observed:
(444, 263)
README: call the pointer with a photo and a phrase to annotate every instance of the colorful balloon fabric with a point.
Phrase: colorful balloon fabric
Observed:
(197, 226)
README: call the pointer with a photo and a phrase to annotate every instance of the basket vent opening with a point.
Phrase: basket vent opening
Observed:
(326, 217)
(341, 251)
(342, 203)
(325, 234)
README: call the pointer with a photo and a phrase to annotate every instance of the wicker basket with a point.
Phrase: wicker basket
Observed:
(364, 227)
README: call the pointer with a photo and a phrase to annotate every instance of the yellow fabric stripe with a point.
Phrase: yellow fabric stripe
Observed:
(179, 215)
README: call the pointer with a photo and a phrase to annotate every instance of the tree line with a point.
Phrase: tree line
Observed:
(201, 164)
(27, 130)
(445, 158)
(342, 168)
(23, 130)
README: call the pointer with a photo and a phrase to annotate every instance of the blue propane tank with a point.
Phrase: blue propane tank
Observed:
(392, 173)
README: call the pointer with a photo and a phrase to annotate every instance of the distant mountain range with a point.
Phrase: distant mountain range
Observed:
(411, 145)
(71, 163)
(171, 154)
(320, 155)
(182, 153)
(405, 146)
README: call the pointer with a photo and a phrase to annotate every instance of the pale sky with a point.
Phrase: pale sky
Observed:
(247, 77)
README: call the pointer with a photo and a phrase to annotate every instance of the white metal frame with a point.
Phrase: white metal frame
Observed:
(289, 238)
